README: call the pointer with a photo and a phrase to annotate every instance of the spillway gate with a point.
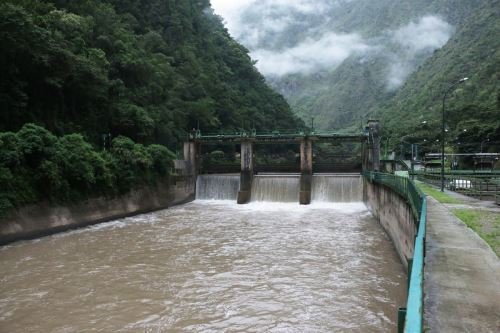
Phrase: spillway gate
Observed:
(304, 166)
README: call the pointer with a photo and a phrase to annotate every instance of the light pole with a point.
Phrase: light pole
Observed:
(443, 129)
(482, 142)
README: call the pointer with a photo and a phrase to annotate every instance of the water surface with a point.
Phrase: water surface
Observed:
(208, 266)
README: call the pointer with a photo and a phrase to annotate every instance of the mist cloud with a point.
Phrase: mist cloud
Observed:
(295, 36)
(260, 25)
(428, 33)
(327, 52)
(251, 21)
(414, 42)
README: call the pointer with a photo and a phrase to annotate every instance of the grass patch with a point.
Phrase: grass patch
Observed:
(437, 194)
(485, 224)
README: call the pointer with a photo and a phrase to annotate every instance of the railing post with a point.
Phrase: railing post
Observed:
(401, 319)
(410, 264)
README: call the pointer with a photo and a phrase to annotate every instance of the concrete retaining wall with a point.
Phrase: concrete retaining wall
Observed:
(395, 216)
(44, 219)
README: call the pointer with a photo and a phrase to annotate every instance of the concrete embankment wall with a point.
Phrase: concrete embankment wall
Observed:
(395, 215)
(44, 219)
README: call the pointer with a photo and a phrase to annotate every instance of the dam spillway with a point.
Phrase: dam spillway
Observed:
(337, 188)
(217, 187)
(275, 188)
(282, 187)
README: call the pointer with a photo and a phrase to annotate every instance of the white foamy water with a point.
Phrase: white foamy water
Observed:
(217, 187)
(337, 188)
(276, 188)
(209, 266)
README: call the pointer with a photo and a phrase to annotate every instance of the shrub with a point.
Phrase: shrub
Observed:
(35, 165)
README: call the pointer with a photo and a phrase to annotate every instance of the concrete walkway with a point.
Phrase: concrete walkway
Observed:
(462, 277)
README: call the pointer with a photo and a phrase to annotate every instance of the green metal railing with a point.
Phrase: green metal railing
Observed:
(276, 134)
(413, 314)
(475, 184)
(401, 185)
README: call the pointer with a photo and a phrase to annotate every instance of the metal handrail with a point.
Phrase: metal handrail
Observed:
(270, 134)
(418, 203)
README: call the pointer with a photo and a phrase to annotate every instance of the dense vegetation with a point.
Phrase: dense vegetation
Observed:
(35, 165)
(125, 70)
(472, 108)
(349, 94)
(149, 70)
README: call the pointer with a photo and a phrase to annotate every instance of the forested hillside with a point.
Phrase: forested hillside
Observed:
(146, 69)
(347, 61)
(473, 108)
(82, 76)
(395, 34)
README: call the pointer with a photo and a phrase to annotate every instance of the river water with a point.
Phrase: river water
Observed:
(208, 266)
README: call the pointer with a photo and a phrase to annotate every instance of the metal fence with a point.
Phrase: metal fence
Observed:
(411, 317)
(474, 184)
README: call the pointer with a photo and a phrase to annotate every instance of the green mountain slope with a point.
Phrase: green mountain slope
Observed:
(340, 97)
(473, 108)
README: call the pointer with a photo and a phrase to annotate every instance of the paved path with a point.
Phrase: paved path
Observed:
(462, 277)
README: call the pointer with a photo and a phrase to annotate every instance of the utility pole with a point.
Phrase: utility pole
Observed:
(443, 129)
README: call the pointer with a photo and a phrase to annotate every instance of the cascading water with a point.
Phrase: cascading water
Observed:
(282, 188)
(276, 188)
(217, 187)
(337, 188)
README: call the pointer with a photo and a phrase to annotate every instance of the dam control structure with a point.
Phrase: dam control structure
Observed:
(369, 157)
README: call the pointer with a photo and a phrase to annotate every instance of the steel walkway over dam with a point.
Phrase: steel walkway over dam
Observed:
(276, 137)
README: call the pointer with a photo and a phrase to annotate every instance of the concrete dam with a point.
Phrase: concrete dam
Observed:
(282, 187)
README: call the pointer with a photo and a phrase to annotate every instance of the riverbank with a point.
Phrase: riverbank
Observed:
(45, 219)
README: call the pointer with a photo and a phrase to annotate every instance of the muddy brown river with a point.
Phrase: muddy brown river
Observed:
(208, 266)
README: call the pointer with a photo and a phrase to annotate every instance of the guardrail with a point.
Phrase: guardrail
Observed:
(282, 135)
(411, 318)
(478, 185)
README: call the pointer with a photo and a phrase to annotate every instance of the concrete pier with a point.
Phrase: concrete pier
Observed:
(191, 157)
(246, 175)
(305, 171)
(371, 153)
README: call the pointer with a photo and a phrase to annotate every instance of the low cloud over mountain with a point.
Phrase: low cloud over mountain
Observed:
(290, 37)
